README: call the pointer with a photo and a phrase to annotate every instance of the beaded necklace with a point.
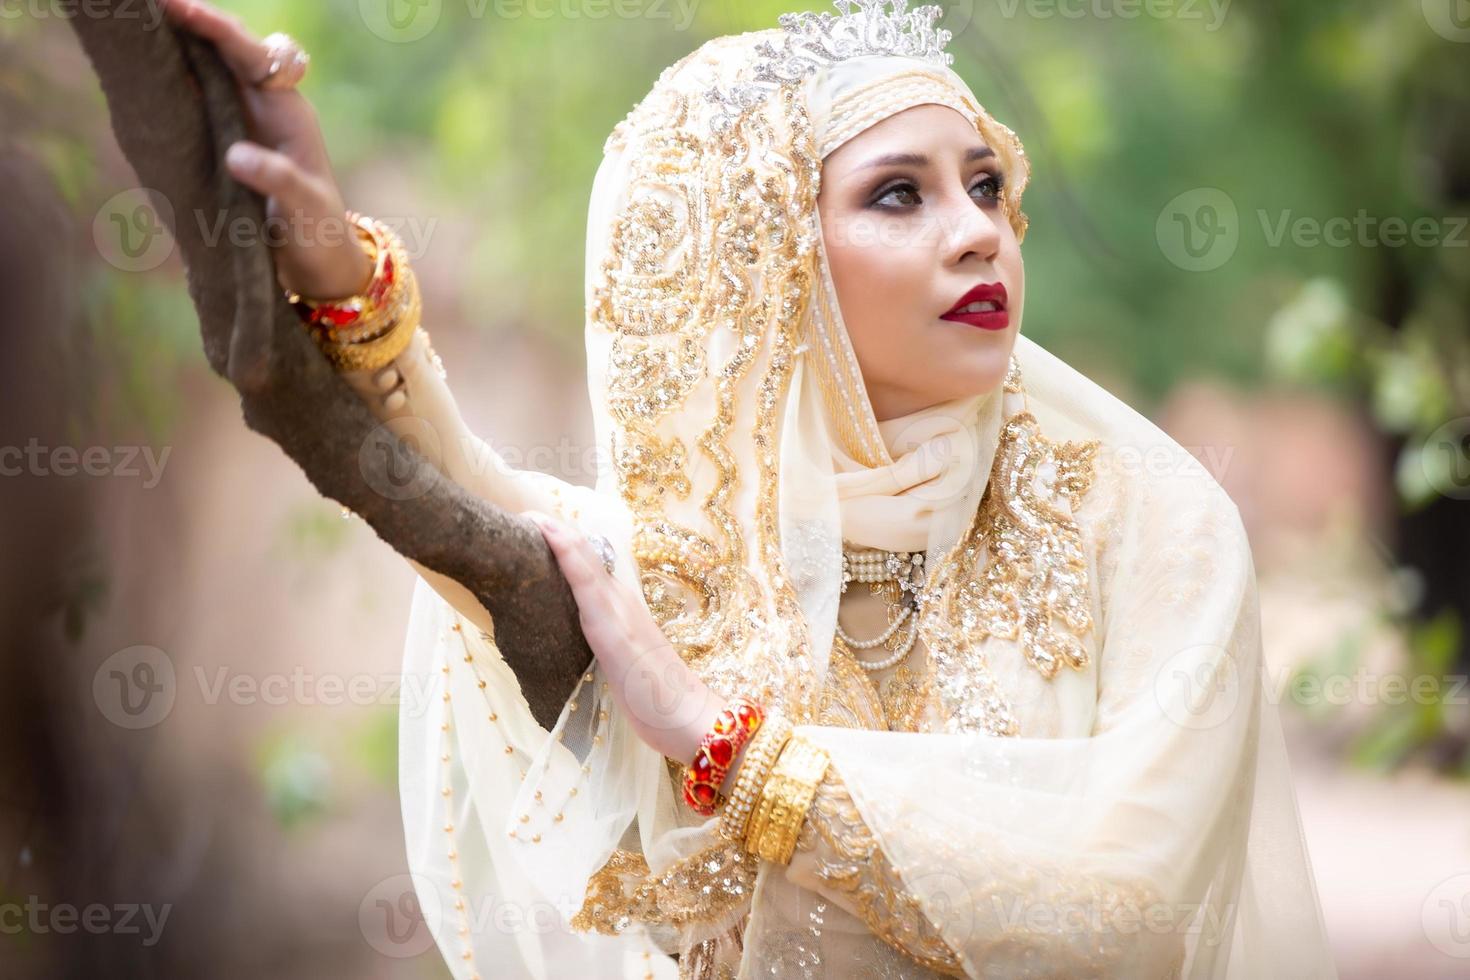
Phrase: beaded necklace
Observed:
(898, 576)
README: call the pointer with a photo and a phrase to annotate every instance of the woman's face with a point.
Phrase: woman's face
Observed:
(912, 222)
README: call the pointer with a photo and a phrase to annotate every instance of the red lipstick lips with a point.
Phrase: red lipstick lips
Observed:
(987, 317)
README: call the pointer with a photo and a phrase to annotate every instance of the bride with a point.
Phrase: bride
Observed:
(917, 653)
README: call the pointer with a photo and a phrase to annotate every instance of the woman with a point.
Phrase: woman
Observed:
(1038, 744)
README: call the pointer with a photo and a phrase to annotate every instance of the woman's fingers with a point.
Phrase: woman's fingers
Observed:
(591, 584)
(268, 171)
(241, 49)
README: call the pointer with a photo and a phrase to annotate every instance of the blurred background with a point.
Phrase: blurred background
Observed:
(1248, 220)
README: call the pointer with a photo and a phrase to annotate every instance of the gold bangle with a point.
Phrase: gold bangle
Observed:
(785, 799)
(386, 314)
(360, 315)
(373, 354)
(754, 768)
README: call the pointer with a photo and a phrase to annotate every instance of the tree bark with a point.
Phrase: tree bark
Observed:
(175, 109)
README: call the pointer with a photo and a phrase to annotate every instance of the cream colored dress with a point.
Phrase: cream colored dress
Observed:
(1076, 773)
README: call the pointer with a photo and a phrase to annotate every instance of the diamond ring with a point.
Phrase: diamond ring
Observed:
(604, 550)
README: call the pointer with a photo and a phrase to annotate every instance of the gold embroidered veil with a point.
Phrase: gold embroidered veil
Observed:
(1093, 780)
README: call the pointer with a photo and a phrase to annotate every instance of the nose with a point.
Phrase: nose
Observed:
(971, 231)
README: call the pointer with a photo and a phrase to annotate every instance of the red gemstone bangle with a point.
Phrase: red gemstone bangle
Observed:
(359, 313)
(732, 728)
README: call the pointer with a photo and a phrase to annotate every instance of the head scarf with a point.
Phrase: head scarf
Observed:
(1055, 758)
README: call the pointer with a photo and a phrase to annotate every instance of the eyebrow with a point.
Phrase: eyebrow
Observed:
(920, 160)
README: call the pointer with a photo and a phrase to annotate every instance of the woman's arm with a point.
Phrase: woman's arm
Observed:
(411, 396)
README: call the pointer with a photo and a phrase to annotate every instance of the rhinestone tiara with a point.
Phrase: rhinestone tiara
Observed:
(814, 40)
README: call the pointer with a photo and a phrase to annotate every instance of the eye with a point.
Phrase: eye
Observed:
(906, 194)
(906, 187)
(990, 187)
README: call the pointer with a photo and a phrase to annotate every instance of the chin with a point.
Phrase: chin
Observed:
(981, 370)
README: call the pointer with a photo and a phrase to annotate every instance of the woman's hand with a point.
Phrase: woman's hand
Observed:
(285, 159)
(670, 706)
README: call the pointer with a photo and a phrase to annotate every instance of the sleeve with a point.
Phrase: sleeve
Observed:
(1120, 854)
(420, 409)
(838, 857)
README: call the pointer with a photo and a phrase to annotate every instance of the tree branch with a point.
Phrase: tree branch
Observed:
(175, 109)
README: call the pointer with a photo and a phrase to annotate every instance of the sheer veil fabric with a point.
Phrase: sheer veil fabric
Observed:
(1093, 782)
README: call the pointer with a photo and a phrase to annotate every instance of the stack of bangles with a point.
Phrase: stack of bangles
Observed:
(367, 331)
(774, 786)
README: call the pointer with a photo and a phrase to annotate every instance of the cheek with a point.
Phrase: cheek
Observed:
(1015, 272)
(875, 291)
(880, 280)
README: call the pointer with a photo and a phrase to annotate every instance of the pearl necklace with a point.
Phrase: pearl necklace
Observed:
(878, 567)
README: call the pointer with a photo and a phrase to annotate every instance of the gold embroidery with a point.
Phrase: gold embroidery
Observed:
(710, 959)
(1021, 567)
(706, 885)
(1038, 570)
(849, 699)
(1098, 925)
(852, 865)
(855, 870)
(704, 284)
(906, 696)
